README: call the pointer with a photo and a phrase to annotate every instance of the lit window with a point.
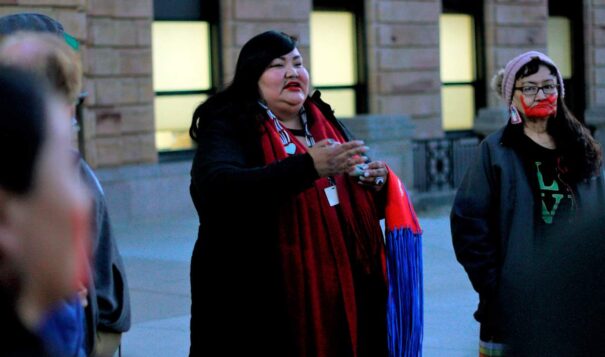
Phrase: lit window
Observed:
(333, 59)
(456, 103)
(559, 44)
(458, 72)
(181, 76)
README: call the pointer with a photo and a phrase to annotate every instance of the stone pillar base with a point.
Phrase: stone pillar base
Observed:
(390, 140)
(490, 119)
(595, 116)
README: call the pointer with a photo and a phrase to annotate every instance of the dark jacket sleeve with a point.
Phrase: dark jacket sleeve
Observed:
(473, 224)
(109, 300)
(228, 164)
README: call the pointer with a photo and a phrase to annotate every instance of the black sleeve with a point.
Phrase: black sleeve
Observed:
(228, 163)
(472, 219)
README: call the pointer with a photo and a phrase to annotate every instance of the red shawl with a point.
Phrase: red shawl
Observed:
(324, 251)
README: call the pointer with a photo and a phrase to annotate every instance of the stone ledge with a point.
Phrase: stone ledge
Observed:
(130, 172)
(595, 116)
(147, 191)
(490, 119)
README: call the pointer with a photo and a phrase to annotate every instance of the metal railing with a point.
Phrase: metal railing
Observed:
(440, 164)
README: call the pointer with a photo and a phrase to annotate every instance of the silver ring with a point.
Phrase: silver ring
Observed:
(379, 180)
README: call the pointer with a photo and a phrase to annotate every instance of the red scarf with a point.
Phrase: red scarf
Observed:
(321, 248)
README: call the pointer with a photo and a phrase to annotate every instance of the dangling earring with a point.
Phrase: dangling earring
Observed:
(515, 117)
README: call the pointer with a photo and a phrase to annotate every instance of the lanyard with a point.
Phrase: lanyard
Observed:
(290, 147)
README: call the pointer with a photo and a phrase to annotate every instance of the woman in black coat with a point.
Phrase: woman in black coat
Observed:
(533, 179)
(289, 259)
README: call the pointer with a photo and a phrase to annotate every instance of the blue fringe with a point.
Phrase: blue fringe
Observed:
(405, 302)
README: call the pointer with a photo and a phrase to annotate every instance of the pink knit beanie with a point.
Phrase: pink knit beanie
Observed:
(514, 65)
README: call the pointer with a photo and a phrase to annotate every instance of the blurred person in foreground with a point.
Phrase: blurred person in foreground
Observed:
(290, 257)
(44, 212)
(49, 51)
(534, 178)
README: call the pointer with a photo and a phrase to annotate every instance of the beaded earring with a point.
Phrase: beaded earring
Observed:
(515, 117)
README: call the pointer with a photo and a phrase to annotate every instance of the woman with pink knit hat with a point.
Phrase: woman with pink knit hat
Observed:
(532, 180)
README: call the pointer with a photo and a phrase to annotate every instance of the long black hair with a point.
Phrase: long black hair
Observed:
(22, 127)
(580, 153)
(242, 94)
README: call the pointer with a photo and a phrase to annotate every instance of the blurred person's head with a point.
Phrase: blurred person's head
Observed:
(49, 56)
(43, 207)
(30, 21)
(39, 43)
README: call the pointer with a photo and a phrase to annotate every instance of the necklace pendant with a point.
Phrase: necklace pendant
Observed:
(290, 148)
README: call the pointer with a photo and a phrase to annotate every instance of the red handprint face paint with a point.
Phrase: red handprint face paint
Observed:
(540, 102)
(540, 109)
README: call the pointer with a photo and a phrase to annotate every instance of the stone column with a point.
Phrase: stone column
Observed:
(390, 140)
(403, 61)
(119, 121)
(242, 19)
(511, 28)
(594, 22)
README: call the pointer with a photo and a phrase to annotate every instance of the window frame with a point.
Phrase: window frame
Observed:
(360, 87)
(474, 8)
(192, 10)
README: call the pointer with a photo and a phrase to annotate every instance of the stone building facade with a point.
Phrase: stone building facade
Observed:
(402, 51)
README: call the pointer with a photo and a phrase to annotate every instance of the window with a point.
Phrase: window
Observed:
(461, 64)
(336, 29)
(458, 72)
(559, 43)
(333, 59)
(181, 78)
(182, 69)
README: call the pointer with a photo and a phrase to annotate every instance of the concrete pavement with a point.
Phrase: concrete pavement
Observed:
(157, 255)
